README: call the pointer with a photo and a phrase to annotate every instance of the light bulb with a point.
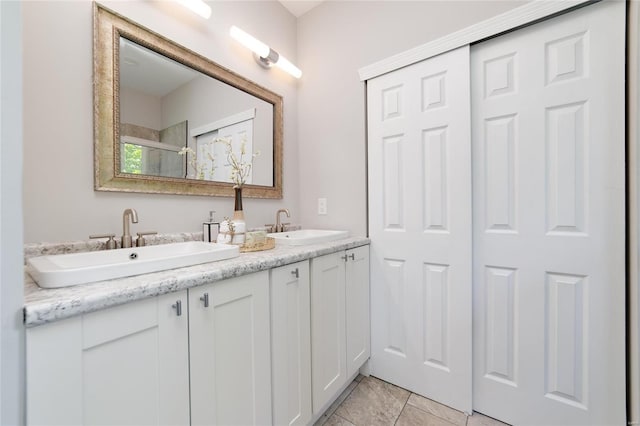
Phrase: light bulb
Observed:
(284, 64)
(197, 6)
(250, 42)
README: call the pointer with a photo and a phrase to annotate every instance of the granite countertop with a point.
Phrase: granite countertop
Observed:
(47, 305)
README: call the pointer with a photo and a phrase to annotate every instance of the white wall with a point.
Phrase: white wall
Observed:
(59, 201)
(633, 132)
(11, 271)
(334, 40)
(199, 102)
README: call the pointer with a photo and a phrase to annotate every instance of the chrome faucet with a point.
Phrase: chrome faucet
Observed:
(279, 226)
(126, 235)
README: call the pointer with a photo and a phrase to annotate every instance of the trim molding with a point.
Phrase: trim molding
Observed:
(224, 122)
(507, 21)
(633, 218)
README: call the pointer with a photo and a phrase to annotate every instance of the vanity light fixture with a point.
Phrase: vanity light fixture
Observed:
(197, 6)
(263, 54)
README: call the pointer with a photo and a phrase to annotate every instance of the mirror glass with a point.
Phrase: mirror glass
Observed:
(166, 106)
(166, 119)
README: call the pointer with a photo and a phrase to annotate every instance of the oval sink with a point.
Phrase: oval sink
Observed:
(64, 270)
(308, 236)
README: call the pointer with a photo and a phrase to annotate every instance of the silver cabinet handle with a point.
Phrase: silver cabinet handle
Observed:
(295, 273)
(345, 257)
(205, 299)
(178, 307)
(352, 256)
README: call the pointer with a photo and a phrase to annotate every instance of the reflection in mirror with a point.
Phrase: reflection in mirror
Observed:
(156, 92)
(165, 118)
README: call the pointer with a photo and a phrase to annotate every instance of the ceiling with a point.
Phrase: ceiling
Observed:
(150, 73)
(300, 7)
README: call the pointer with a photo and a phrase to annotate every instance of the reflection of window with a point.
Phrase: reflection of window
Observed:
(131, 159)
(211, 158)
(141, 156)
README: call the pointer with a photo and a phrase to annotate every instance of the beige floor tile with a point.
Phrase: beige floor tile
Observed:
(333, 407)
(412, 416)
(447, 413)
(481, 420)
(373, 402)
(336, 420)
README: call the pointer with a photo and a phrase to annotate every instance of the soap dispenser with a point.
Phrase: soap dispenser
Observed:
(210, 229)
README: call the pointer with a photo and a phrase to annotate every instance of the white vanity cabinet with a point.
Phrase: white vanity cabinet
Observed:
(339, 321)
(291, 344)
(271, 347)
(124, 365)
(357, 308)
(230, 352)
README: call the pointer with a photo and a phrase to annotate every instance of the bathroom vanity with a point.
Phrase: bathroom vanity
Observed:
(267, 337)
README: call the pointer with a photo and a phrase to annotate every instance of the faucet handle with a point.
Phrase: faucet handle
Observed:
(270, 227)
(285, 226)
(140, 241)
(110, 243)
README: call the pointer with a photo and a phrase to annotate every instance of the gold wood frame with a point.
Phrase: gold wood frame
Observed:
(108, 27)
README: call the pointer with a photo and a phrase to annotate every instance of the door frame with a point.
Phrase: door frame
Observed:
(524, 15)
(527, 15)
(633, 212)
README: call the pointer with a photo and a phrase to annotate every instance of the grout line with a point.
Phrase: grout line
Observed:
(342, 418)
(403, 407)
(329, 414)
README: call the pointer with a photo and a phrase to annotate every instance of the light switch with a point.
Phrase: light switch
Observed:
(322, 206)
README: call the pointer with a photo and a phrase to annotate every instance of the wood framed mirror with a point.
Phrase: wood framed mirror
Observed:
(158, 107)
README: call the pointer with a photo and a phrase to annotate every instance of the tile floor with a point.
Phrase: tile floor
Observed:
(370, 401)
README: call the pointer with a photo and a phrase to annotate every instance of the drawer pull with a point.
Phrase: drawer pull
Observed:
(205, 299)
(296, 273)
(178, 307)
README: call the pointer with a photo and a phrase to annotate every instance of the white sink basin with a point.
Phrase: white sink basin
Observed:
(308, 236)
(64, 270)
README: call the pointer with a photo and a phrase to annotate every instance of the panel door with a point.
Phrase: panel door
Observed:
(419, 158)
(357, 308)
(549, 242)
(291, 344)
(230, 351)
(328, 338)
(123, 365)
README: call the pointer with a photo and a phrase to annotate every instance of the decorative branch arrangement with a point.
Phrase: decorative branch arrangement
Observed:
(240, 168)
(199, 167)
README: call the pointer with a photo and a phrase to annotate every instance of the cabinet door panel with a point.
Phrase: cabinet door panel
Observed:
(54, 373)
(230, 352)
(291, 344)
(110, 324)
(122, 365)
(357, 308)
(328, 338)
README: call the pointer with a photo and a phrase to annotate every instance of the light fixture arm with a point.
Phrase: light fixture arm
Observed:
(270, 60)
(265, 56)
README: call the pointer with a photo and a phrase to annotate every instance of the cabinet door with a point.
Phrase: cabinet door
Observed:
(123, 365)
(357, 308)
(291, 344)
(328, 340)
(230, 352)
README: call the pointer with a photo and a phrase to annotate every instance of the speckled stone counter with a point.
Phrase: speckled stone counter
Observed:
(47, 305)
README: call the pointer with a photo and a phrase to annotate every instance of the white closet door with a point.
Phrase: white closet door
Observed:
(549, 235)
(420, 227)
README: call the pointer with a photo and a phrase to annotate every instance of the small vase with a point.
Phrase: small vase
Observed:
(238, 204)
(239, 225)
